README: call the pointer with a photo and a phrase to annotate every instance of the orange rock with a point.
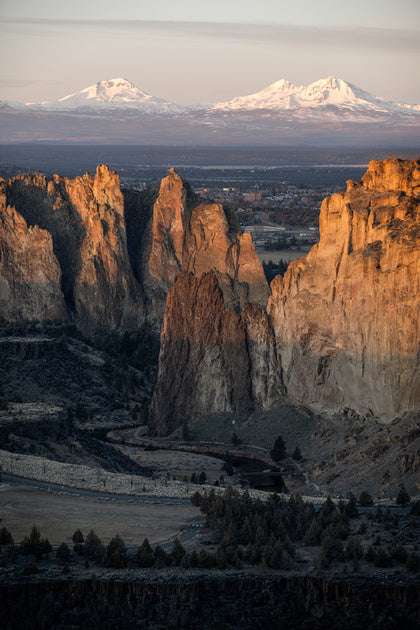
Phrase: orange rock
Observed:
(30, 275)
(85, 221)
(192, 235)
(346, 317)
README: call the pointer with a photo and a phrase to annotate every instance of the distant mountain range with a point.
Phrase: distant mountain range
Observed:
(329, 109)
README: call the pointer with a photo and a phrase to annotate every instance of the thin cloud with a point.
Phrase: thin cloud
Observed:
(22, 83)
(352, 36)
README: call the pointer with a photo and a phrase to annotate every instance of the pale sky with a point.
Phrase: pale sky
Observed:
(194, 52)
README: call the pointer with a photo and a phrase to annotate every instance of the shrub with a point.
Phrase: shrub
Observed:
(63, 553)
(29, 568)
(403, 498)
(413, 562)
(365, 499)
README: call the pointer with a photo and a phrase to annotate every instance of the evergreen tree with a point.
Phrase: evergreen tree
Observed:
(365, 500)
(351, 507)
(78, 540)
(278, 451)
(413, 562)
(145, 555)
(297, 455)
(403, 498)
(93, 547)
(63, 553)
(5, 537)
(44, 547)
(116, 553)
(178, 552)
(235, 439)
(160, 558)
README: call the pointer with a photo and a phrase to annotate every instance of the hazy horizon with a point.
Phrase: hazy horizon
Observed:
(191, 53)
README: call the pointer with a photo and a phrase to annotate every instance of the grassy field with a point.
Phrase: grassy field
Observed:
(58, 517)
(259, 429)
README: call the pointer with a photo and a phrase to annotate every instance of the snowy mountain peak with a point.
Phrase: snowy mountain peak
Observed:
(331, 95)
(282, 85)
(116, 93)
(113, 91)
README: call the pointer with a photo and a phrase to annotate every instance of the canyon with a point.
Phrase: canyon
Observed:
(339, 330)
(209, 601)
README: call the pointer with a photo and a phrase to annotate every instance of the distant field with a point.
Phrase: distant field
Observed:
(275, 255)
(58, 517)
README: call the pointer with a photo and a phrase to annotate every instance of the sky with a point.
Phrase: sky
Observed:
(193, 52)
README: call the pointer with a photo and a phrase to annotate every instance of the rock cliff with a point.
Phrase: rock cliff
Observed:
(341, 328)
(184, 233)
(108, 260)
(346, 316)
(30, 276)
(82, 220)
(211, 359)
(210, 601)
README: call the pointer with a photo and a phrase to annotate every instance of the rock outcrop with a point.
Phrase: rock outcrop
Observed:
(108, 260)
(346, 316)
(187, 234)
(82, 220)
(211, 359)
(30, 276)
(341, 328)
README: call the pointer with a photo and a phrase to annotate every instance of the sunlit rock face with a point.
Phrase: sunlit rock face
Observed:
(30, 276)
(114, 258)
(211, 359)
(346, 316)
(341, 329)
(187, 234)
(83, 221)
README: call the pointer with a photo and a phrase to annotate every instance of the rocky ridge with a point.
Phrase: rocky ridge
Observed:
(341, 328)
(76, 249)
(346, 316)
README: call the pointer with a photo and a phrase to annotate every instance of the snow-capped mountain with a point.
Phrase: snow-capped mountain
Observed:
(114, 94)
(327, 112)
(315, 99)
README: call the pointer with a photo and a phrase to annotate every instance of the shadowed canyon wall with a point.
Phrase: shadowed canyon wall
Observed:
(207, 602)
